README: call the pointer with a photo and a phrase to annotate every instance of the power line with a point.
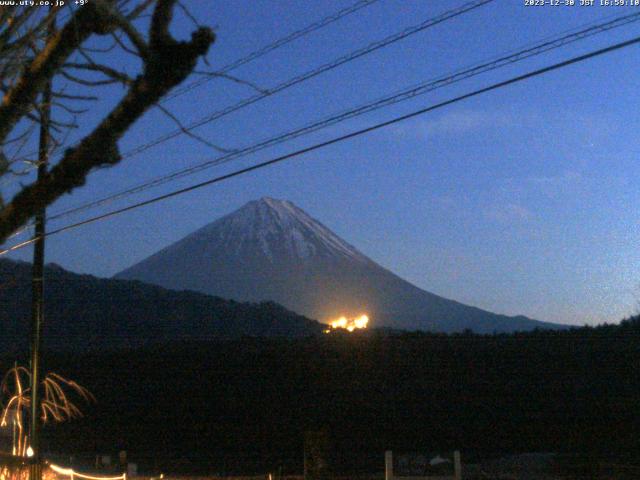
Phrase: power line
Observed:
(335, 140)
(359, 5)
(449, 14)
(405, 94)
(275, 45)
(372, 47)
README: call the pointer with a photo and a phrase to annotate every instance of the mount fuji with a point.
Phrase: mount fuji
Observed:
(272, 250)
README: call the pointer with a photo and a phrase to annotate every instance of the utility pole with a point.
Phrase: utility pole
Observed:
(37, 282)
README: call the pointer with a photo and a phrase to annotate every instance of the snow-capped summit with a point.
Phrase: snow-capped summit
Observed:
(272, 250)
(277, 227)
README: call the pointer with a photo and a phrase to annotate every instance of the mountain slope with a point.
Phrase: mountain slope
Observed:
(84, 311)
(272, 250)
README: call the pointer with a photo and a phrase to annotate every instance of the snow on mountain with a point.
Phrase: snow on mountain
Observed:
(277, 225)
(272, 250)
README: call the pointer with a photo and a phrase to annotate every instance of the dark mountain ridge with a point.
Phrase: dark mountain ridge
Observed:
(85, 312)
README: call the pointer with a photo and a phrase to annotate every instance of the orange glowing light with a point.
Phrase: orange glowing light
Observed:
(73, 474)
(348, 324)
(55, 404)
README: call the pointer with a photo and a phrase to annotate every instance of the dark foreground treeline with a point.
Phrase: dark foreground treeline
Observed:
(242, 405)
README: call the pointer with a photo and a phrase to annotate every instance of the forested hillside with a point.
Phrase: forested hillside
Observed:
(213, 406)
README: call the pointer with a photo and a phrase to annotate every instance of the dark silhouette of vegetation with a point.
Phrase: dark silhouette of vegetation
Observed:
(243, 406)
(84, 312)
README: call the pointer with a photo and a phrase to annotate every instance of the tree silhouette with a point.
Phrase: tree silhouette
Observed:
(29, 60)
(57, 404)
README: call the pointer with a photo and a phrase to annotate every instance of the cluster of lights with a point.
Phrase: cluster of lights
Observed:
(348, 324)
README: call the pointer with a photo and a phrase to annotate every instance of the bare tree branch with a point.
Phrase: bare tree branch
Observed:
(188, 13)
(234, 79)
(74, 97)
(142, 6)
(17, 102)
(87, 83)
(123, 46)
(108, 71)
(68, 109)
(134, 36)
(168, 63)
(189, 133)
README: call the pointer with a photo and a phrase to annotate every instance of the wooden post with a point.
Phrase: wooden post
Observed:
(388, 465)
(457, 465)
(317, 464)
(37, 281)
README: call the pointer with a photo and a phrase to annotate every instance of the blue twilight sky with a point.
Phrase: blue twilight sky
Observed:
(520, 201)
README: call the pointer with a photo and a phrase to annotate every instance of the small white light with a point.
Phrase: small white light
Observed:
(29, 451)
